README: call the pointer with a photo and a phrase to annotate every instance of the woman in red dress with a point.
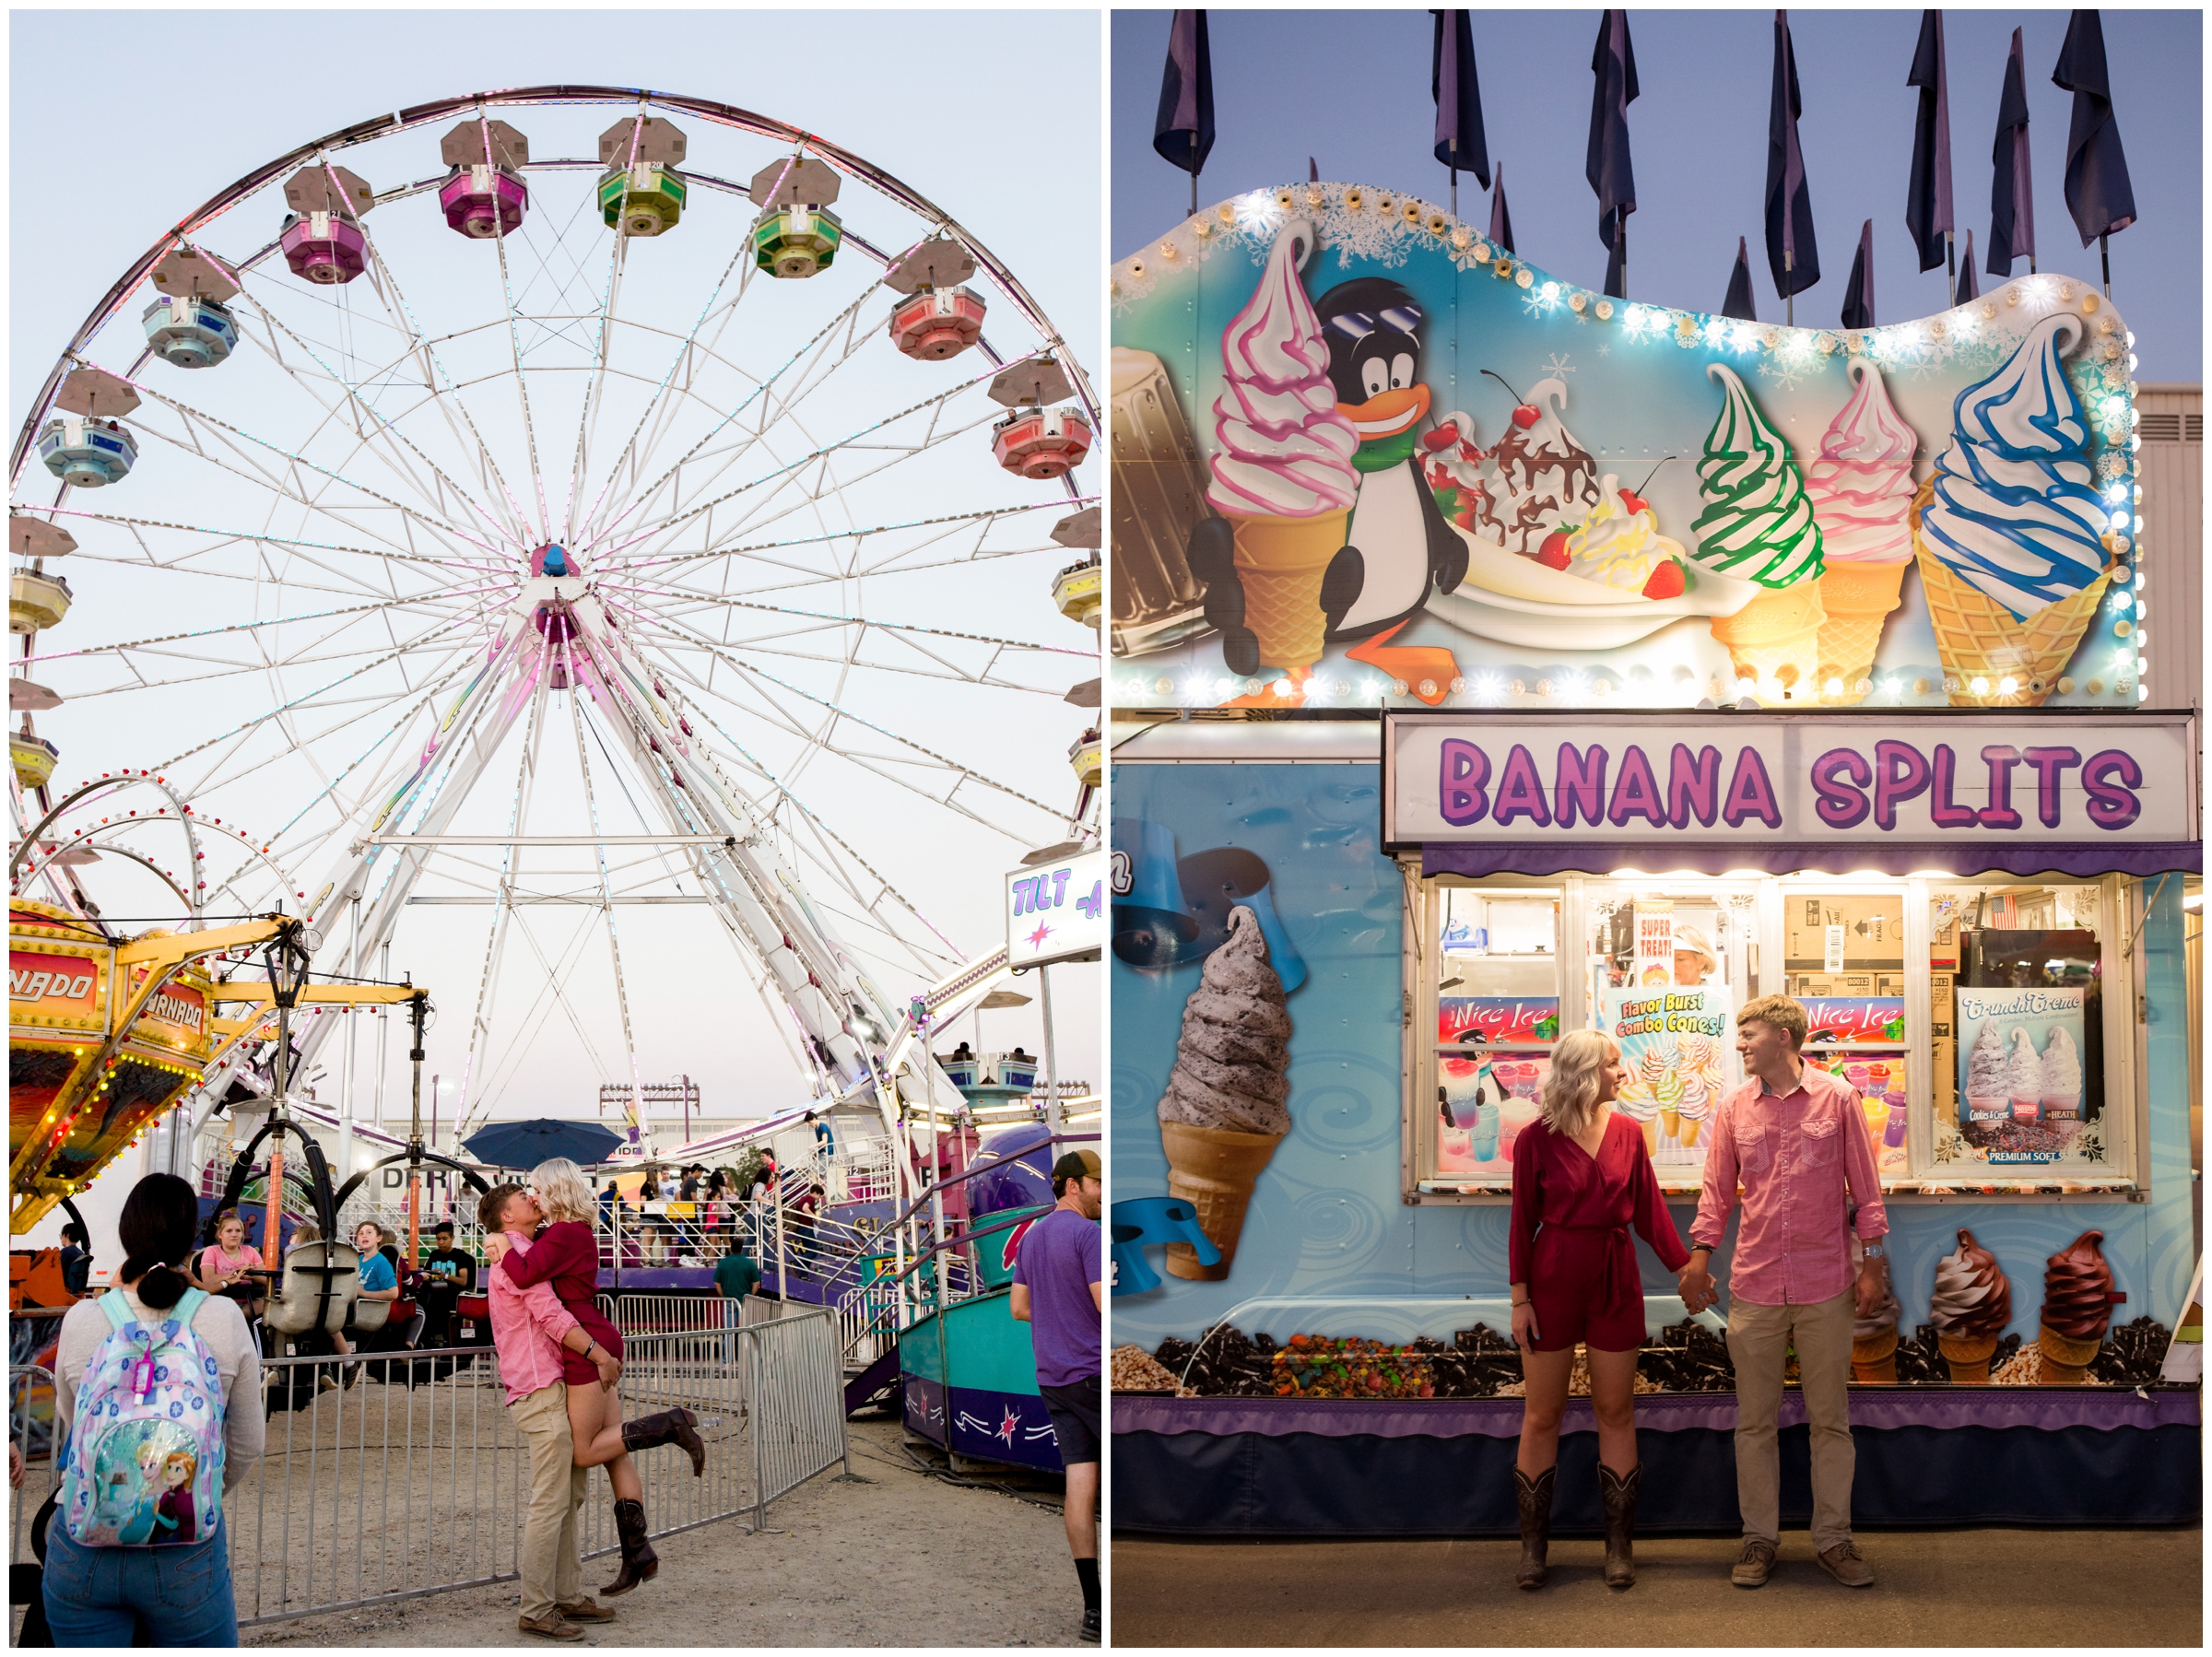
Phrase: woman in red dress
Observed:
(1582, 1178)
(566, 1254)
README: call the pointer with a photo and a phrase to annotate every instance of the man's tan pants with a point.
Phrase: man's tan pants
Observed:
(552, 1570)
(1758, 1340)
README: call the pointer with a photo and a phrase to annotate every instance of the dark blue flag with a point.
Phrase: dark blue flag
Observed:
(1858, 287)
(1738, 302)
(1605, 165)
(2097, 193)
(1182, 134)
(2011, 195)
(1792, 254)
(1459, 140)
(1928, 214)
(1501, 221)
(1967, 288)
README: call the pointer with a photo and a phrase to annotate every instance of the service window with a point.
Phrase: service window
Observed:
(2031, 1059)
(1494, 989)
(1844, 956)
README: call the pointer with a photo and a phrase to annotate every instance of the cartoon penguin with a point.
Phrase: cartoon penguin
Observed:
(1397, 542)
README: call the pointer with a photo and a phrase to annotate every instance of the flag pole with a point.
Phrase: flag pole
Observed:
(1789, 300)
(1193, 196)
(2104, 257)
(1950, 262)
(1454, 166)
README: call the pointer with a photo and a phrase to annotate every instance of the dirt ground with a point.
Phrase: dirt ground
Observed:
(903, 1559)
(1932, 1588)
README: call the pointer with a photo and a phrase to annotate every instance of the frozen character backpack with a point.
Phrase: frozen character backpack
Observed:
(144, 1463)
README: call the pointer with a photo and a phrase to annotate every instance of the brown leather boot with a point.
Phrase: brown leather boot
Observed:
(640, 1563)
(670, 1427)
(1619, 1494)
(1536, 1524)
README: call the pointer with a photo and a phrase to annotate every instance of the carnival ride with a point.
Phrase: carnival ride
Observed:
(363, 507)
(735, 510)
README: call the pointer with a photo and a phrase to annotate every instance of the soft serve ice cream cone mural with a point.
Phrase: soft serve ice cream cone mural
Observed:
(1421, 468)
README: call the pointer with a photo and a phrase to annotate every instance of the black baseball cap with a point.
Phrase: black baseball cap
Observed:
(1079, 1165)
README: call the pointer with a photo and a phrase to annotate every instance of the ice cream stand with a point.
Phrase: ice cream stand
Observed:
(1717, 660)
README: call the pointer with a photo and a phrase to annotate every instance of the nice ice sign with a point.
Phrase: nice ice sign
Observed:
(1899, 778)
(1056, 911)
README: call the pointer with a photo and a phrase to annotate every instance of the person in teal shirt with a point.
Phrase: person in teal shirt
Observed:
(737, 1274)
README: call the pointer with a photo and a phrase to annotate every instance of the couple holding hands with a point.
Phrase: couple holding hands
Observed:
(1795, 1139)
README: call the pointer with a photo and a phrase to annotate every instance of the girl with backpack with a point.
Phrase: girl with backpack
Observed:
(157, 1395)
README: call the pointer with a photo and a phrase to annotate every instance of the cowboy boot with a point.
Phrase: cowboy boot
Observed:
(670, 1427)
(1536, 1524)
(640, 1563)
(1619, 1497)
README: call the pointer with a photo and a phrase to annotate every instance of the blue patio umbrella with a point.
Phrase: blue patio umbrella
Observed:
(525, 1144)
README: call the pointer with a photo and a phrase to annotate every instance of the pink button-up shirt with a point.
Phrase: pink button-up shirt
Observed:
(1798, 1156)
(527, 1327)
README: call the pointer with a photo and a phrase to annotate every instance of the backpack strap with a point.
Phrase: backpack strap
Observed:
(117, 1308)
(188, 1306)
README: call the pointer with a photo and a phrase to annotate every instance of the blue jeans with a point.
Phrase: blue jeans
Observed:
(103, 1596)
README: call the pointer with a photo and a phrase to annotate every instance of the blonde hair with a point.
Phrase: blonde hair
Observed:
(1783, 1013)
(1572, 1087)
(562, 1191)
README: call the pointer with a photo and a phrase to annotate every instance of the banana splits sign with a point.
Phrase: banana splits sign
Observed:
(1538, 794)
(1360, 454)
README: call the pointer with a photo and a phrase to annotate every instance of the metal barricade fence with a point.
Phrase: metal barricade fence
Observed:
(31, 1435)
(796, 1373)
(389, 1476)
(664, 1314)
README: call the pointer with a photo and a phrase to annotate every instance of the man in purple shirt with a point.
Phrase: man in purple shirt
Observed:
(1795, 1139)
(1057, 1275)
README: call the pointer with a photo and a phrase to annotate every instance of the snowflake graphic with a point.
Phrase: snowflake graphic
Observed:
(1605, 350)
(1782, 372)
(1558, 363)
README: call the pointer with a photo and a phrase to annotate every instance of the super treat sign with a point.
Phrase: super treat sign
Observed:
(1692, 777)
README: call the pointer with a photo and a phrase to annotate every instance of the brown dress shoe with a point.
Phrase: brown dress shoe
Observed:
(586, 1610)
(1755, 1564)
(1847, 1565)
(556, 1627)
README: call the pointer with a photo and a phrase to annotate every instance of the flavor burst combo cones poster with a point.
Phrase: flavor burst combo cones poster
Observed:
(1357, 447)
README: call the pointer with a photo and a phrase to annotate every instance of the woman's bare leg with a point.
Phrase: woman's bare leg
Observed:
(1612, 1398)
(595, 1423)
(1542, 1409)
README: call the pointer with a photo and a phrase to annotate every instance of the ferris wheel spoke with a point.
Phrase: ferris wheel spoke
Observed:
(418, 563)
(636, 461)
(378, 423)
(434, 371)
(241, 443)
(552, 992)
(259, 720)
(746, 670)
(514, 340)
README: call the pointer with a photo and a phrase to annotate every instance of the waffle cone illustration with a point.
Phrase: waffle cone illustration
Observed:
(1225, 1107)
(1212, 1170)
(1777, 635)
(1977, 638)
(1968, 1356)
(1281, 562)
(1875, 1359)
(2066, 1361)
(1857, 599)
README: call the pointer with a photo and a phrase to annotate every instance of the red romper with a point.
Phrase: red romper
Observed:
(567, 1255)
(1570, 1235)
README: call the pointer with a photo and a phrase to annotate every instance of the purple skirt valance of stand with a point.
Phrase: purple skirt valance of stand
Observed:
(2049, 1409)
(1979, 855)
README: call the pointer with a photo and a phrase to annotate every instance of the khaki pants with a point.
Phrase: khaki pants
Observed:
(552, 1569)
(1759, 1339)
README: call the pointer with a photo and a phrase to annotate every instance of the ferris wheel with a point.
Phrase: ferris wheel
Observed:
(545, 503)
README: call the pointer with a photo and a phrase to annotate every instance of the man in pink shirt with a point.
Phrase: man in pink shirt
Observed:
(1795, 1139)
(528, 1327)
